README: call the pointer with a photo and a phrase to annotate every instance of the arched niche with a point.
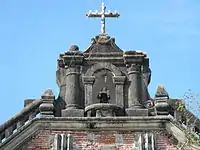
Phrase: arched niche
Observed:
(94, 80)
(103, 78)
(103, 65)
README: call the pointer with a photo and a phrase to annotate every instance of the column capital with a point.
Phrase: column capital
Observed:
(133, 68)
(119, 79)
(88, 79)
(134, 57)
(73, 71)
(71, 59)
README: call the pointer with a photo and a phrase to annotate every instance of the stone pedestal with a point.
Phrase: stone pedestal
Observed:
(73, 112)
(105, 113)
(136, 112)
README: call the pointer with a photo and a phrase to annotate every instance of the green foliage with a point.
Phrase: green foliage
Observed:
(192, 103)
(193, 137)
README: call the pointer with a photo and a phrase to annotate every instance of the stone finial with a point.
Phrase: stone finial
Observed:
(48, 92)
(47, 107)
(74, 48)
(161, 92)
(161, 97)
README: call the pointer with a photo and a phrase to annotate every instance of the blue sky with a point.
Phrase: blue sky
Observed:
(33, 33)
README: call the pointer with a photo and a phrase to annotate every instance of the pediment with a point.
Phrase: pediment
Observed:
(103, 44)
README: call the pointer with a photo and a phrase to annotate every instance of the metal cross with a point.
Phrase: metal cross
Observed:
(102, 14)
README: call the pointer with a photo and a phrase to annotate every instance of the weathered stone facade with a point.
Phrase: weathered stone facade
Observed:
(103, 104)
(82, 75)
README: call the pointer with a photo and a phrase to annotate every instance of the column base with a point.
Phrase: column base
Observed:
(73, 112)
(136, 112)
(162, 113)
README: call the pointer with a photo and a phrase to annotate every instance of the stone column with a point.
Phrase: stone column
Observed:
(73, 60)
(88, 83)
(119, 85)
(135, 108)
(134, 75)
(72, 93)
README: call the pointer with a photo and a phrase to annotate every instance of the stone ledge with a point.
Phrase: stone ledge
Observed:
(81, 123)
(137, 112)
(73, 112)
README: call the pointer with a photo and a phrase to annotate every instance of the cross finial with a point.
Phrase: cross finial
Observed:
(102, 14)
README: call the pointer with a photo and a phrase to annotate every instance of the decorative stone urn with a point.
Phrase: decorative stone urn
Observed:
(160, 101)
(162, 107)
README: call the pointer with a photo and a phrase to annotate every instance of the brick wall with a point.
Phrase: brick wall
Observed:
(164, 141)
(40, 141)
(82, 139)
(97, 139)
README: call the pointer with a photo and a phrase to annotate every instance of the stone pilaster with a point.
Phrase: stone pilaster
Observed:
(55, 142)
(61, 142)
(66, 142)
(119, 85)
(88, 83)
(152, 141)
(138, 141)
(144, 141)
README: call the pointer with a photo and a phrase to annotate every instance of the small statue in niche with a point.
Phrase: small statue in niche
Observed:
(104, 95)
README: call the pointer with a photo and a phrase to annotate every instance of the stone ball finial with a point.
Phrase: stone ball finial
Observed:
(48, 94)
(161, 92)
(74, 48)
